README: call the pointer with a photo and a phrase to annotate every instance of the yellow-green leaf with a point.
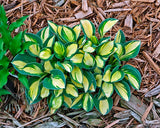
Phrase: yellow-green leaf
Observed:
(77, 30)
(34, 49)
(77, 58)
(19, 64)
(45, 33)
(88, 47)
(120, 37)
(71, 49)
(71, 90)
(99, 61)
(107, 74)
(106, 49)
(53, 26)
(56, 102)
(58, 92)
(68, 101)
(44, 92)
(117, 76)
(106, 25)
(86, 83)
(58, 82)
(108, 89)
(88, 103)
(48, 66)
(88, 60)
(122, 88)
(88, 27)
(45, 54)
(77, 74)
(77, 84)
(68, 34)
(98, 78)
(59, 49)
(77, 100)
(103, 106)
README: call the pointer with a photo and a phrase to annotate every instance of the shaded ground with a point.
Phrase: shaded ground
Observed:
(139, 19)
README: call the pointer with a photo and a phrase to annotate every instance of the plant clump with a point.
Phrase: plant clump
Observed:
(77, 69)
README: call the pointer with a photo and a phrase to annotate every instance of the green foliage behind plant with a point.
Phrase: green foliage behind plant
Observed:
(8, 44)
(78, 70)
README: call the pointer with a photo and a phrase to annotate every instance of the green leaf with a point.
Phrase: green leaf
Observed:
(3, 16)
(68, 34)
(77, 103)
(71, 49)
(71, 90)
(123, 90)
(49, 41)
(55, 81)
(133, 76)
(94, 40)
(45, 54)
(4, 62)
(106, 49)
(4, 92)
(76, 74)
(34, 83)
(33, 69)
(44, 92)
(78, 85)
(88, 103)
(106, 25)
(21, 60)
(88, 28)
(33, 38)
(81, 41)
(15, 45)
(120, 49)
(107, 74)
(88, 60)
(56, 102)
(77, 30)
(3, 75)
(120, 37)
(23, 79)
(18, 23)
(59, 50)
(103, 105)
(66, 65)
(98, 78)
(67, 101)
(107, 89)
(58, 92)
(131, 49)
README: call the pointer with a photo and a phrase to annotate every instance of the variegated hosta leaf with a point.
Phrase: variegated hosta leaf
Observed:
(131, 49)
(88, 103)
(103, 105)
(66, 65)
(86, 82)
(108, 89)
(67, 101)
(88, 47)
(117, 75)
(71, 90)
(59, 31)
(45, 54)
(77, 103)
(49, 42)
(106, 25)
(123, 90)
(93, 86)
(88, 28)
(94, 40)
(106, 48)
(120, 49)
(55, 81)
(21, 60)
(68, 34)
(71, 49)
(120, 37)
(133, 76)
(56, 102)
(88, 60)
(53, 26)
(97, 70)
(81, 41)
(107, 74)
(77, 30)
(58, 92)
(77, 58)
(34, 49)
(48, 66)
(44, 34)
(99, 61)
(29, 37)
(98, 78)
(44, 92)
(33, 69)
(33, 92)
(59, 50)
(77, 84)
(77, 75)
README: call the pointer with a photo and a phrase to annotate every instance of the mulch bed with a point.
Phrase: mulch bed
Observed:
(139, 20)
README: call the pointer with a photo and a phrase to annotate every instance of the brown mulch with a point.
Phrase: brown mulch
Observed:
(139, 20)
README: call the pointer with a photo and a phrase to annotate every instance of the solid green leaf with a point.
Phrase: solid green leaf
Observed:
(3, 75)
(23, 79)
(4, 92)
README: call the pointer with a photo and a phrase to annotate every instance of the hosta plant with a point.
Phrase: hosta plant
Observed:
(77, 69)
(8, 45)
